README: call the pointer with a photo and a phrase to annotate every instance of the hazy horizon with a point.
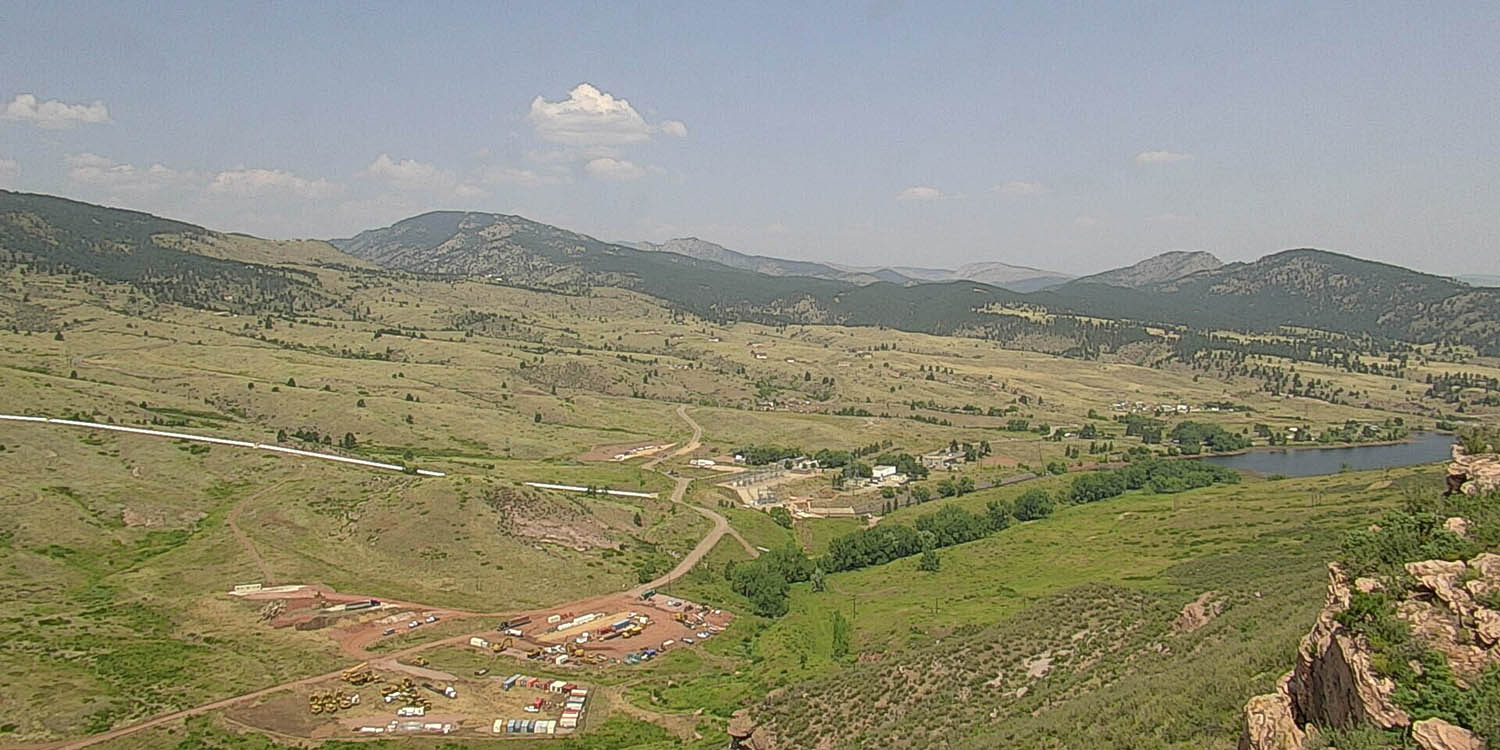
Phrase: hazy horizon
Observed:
(1065, 139)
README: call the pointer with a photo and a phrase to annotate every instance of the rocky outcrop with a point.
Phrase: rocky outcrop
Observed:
(1473, 474)
(1436, 734)
(744, 734)
(1334, 684)
(1197, 613)
(1270, 724)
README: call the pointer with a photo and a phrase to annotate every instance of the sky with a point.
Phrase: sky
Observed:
(1067, 136)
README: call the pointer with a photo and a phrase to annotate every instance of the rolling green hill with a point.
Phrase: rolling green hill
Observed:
(183, 263)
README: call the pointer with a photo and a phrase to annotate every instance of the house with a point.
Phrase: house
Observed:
(702, 463)
(944, 459)
(739, 458)
(882, 472)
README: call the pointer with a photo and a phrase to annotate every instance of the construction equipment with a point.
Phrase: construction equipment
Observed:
(358, 675)
(499, 647)
(420, 661)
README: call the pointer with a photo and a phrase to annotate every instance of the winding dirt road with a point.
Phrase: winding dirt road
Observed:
(689, 561)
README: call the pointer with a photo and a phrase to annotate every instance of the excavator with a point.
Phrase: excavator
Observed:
(500, 646)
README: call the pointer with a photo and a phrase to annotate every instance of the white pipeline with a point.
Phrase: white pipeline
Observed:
(218, 441)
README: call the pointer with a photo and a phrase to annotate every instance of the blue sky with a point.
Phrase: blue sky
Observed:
(1067, 136)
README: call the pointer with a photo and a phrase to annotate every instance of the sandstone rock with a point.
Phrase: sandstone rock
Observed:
(1488, 565)
(1444, 631)
(1197, 613)
(1436, 734)
(1479, 474)
(1487, 625)
(1270, 725)
(1441, 578)
(1368, 585)
(1458, 526)
(1333, 683)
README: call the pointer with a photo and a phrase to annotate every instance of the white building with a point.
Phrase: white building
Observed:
(881, 472)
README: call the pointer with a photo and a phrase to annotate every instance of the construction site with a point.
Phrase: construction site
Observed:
(397, 692)
(366, 701)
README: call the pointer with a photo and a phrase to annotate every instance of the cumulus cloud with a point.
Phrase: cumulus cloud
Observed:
(919, 193)
(606, 168)
(469, 191)
(1021, 188)
(250, 183)
(54, 114)
(1161, 157)
(9, 171)
(102, 172)
(590, 117)
(409, 174)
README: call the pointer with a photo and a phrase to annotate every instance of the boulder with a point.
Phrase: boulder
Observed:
(1436, 734)
(1269, 724)
(1458, 526)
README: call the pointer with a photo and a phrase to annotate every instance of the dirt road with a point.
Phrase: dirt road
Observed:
(233, 522)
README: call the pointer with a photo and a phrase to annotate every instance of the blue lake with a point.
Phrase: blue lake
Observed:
(1424, 448)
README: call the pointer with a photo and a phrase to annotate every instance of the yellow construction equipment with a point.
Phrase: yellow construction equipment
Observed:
(419, 661)
(358, 675)
(502, 645)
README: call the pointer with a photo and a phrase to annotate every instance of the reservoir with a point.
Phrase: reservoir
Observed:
(1423, 448)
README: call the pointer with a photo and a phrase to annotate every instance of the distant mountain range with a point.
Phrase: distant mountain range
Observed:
(1479, 279)
(187, 264)
(1003, 275)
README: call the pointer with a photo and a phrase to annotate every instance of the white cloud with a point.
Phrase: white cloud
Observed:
(53, 114)
(606, 168)
(919, 193)
(1161, 157)
(1021, 188)
(590, 117)
(1086, 221)
(259, 182)
(469, 191)
(9, 171)
(409, 174)
(524, 177)
(1169, 218)
(102, 172)
(777, 228)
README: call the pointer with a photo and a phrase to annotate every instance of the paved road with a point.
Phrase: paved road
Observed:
(720, 528)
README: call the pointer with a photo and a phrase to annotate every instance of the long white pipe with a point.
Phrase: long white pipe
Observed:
(218, 441)
(576, 488)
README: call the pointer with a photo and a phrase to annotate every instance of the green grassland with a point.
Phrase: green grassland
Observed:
(117, 549)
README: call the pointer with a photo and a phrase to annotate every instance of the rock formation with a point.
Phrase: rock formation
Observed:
(1436, 734)
(1473, 474)
(1333, 683)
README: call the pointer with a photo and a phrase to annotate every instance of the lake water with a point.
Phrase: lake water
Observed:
(1424, 448)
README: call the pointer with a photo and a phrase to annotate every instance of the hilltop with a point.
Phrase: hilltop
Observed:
(1168, 266)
